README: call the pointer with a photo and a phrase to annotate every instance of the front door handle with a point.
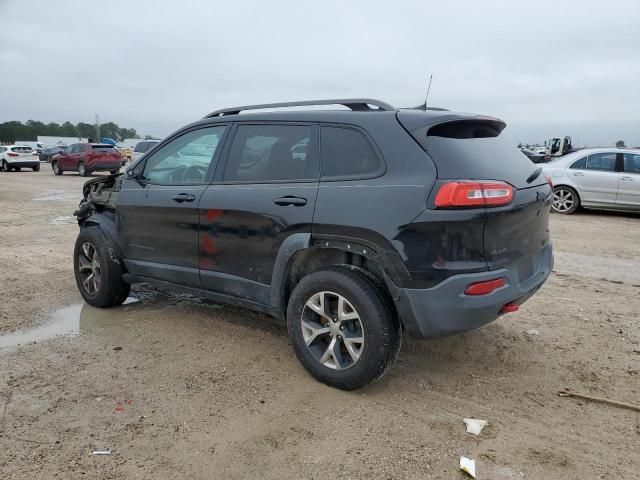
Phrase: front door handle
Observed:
(183, 197)
(627, 178)
(578, 174)
(290, 201)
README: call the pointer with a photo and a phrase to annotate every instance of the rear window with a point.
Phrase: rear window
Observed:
(22, 149)
(346, 153)
(475, 150)
(103, 148)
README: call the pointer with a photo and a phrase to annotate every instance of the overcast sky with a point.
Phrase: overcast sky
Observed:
(549, 68)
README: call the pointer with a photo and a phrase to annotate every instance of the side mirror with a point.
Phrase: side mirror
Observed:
(137, 176)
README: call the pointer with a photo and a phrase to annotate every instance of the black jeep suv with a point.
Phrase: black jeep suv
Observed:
(353, 225)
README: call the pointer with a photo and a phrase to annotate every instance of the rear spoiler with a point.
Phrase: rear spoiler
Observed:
(412, 119)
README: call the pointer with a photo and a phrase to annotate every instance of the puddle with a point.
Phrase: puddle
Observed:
(58, 195)
(69, 320)
(62, 220)
(64, 321)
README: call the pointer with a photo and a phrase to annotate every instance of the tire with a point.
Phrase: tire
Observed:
(96, 254)
(374, 323)
(56, 168)
(36, 168)
(113, 172)
(5, 166)
(82, 170)
(565, 200)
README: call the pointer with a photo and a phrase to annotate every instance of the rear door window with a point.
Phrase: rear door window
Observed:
(267, 153)
(605, 162)
(580, 164)
(632, 163)
(346, 152)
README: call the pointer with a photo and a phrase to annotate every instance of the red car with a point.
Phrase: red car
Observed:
(86, 158)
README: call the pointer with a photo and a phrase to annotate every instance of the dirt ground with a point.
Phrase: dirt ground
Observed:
(178, 388)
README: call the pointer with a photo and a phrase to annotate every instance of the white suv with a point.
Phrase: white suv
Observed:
(15, 157)
(143, 147)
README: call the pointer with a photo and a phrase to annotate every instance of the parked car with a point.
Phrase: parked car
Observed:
(381, 225)
(86, 158)
(143, 147)
(604, 178)
(534, 156)
(126, 153)
(48, 153)
(15, 157)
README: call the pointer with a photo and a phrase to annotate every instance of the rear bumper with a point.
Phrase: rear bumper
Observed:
(445, 309)
(24, 163)
(102, 167)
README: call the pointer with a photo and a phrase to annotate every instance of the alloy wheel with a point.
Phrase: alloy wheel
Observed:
(332, 330)
(563, 200)
(89, 268)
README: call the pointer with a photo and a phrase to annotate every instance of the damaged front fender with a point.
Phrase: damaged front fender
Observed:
(99, 194)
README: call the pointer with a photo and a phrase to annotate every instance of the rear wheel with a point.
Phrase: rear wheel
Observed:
(56, 168)
(565, 200)
(5, 167)
(98, 269)
(82, 170)
(342, 328)
(36, 168)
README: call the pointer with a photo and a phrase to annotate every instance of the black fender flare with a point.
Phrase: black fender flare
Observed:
(107, 225)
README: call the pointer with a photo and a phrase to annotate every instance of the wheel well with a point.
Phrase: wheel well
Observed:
(312, 259)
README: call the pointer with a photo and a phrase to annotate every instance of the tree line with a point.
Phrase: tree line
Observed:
(29, 131)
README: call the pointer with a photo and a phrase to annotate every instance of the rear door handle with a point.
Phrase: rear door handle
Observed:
(183, 197)
(628, 179)
(290, 201)
(578, 174)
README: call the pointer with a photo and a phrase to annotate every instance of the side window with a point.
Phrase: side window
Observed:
(184, 160)
(140, 147)
(580, 164)
(346, 152)
(602, 161)
(632, 163)
(264, 153)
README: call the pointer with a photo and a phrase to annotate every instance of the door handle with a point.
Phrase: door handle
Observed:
(627, 178)
(183, 197)
(290, 201)
(578, 174)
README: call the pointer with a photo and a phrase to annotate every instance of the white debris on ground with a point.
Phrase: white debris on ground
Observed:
(468, 466)
(474, 425)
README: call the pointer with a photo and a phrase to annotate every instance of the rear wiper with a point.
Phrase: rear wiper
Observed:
(534, 175)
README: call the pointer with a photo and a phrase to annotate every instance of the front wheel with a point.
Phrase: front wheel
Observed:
(342, 328)
(5, 166)
(98, 269)
(82, 170)
(56, 168)
(565, 200)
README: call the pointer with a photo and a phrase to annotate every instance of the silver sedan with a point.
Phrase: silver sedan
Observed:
(607, 178)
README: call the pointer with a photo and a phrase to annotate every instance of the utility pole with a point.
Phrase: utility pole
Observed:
(97, 128)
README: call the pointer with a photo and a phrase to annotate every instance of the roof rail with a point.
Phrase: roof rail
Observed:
(355, 104)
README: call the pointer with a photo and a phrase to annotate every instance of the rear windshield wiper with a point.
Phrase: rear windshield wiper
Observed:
(534, 175)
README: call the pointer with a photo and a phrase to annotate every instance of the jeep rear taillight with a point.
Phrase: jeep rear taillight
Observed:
(469, 193)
